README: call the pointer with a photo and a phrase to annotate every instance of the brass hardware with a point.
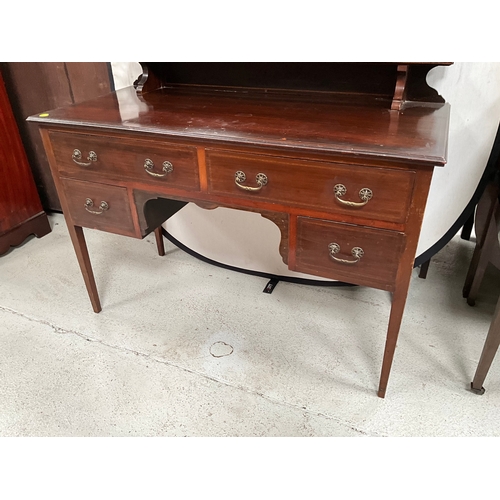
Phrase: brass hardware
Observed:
(89, 204)
(149, 165)
(365, 195)
(240, 176)
(77, 155)
(356, 252)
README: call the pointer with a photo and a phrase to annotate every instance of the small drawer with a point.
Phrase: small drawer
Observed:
(86, 156)
(344, 252)
(368, 192)
(99, 206)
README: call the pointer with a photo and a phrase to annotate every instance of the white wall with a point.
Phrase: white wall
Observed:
(473, 90)
(247, 240)
(125, 73)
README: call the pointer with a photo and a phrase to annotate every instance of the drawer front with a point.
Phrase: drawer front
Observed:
(369, 192)
(345, 252)
(109, 158)
(99, 206)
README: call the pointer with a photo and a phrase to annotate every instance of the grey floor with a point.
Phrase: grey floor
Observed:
(183, 348)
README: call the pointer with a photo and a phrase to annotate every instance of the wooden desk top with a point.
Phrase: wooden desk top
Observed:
(318, 122)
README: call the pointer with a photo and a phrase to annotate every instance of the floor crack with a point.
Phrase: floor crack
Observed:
(60, 330)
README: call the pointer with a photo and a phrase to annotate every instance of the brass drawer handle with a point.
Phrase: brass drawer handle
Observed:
(77, 155)
(240, 176)
(365, 195)
(357, 252)
(102, 207)
(149, 165)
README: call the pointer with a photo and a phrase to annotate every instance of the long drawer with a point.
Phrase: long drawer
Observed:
(369, 192)
(87, 156)
(99, 206)
(345, 252)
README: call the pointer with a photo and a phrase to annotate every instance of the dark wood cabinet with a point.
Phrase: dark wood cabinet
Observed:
(33, 87)
(21, 212)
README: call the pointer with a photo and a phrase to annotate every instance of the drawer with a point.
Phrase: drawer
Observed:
(369, 192)
(86, 156)
(345, 252)
(99, 206)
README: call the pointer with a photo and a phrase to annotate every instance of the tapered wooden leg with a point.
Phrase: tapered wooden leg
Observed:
(489, 350)
(82, 254)
(472, 270)
(486, 239)
(159, 241)
(481, 263)
(397, 309)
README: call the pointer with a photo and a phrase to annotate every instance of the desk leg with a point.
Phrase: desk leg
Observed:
(479, 263)
(397, 309)
(159, 241)
(82, 254)
(489, 350)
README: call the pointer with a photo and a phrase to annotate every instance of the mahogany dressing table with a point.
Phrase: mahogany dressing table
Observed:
(339, 155)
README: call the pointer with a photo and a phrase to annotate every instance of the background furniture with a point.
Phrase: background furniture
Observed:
(487, 248)
(21, 212)
(57, 84)
(486, 251)
(338, 155)
(466, 218)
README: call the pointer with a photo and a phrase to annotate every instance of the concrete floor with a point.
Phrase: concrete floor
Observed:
(183, 348)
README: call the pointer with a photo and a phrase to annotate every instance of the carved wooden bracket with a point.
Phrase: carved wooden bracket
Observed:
(400, 90)
(281, 220)
(411, 84)
(37, 225)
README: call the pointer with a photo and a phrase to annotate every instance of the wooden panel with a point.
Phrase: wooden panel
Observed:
(311, 184)
(371, 78)
(377, 267)
(34, 87)
(116, 219)
(124, 158)
(88, 80)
